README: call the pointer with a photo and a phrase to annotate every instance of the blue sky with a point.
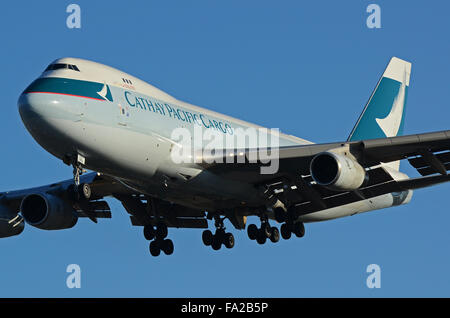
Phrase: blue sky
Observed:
(305, 67)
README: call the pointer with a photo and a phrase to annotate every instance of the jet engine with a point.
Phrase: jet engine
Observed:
(10, 223)
(48, 212)
(337, 172)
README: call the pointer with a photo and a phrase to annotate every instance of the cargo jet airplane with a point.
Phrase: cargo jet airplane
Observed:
(94, 117)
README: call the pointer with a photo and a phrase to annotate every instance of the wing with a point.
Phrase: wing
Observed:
(429, 153)
(11, 223)
(62, 196)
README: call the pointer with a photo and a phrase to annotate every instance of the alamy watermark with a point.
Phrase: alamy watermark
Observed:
(243, 145)
(374, 19)
(73, 20)
(73, 280)
(374, 279)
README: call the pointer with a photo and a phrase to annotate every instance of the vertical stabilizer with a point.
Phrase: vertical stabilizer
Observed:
(384, 114)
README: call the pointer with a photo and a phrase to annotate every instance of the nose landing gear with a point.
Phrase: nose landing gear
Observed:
(79, 191)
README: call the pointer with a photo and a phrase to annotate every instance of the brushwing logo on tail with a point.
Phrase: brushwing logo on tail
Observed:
(390, 125)
(105, 93)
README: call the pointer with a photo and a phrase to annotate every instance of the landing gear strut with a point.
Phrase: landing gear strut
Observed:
(77, 172)
(157, 235)
(264, 232)
(81, 191)
(158, 239)
(219, 237)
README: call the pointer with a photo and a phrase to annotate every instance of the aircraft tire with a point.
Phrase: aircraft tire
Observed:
(149, 232)
(275, 235)
(84, 191)
(285, 231)
(216, 243)
(252, 232)
(299, 229)
(207, 237)
(266, 230)
(228, 240)
(155, 249)
(262, 238)
(167, 247)
(161, 231)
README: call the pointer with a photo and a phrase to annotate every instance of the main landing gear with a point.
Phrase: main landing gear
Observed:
(219, 237)
(158, 239)
(264, 232)
(288, 228)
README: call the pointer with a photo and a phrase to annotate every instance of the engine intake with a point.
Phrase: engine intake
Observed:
(337, 172)
(48, 212)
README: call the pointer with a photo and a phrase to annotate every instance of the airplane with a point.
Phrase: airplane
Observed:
(96, 118)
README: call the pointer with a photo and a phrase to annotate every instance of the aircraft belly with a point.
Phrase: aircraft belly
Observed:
(205, 191)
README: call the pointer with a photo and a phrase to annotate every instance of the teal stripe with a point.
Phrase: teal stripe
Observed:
(68, 86)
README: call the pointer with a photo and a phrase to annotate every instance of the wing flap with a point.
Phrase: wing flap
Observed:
(396, 148)
(419, 162)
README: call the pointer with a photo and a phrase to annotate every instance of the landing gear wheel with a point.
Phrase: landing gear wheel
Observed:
(228, 240)
(280, 215)
(207, 237)
(149, 232)
(252, 232)
(299, 229)
(155, 249)
(161, 231)
(261, 238)
(216, 243)
(265, 229)
(286, 231)
(167, 247)
(84, 191)
(275, 235)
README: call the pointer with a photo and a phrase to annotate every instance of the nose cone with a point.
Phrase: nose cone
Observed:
(25, 108)
(41, 115)
(52, 117)
(32, 110)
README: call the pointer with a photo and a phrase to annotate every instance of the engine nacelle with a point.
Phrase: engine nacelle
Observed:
(337, 172)
(48, 212)
(10, 223)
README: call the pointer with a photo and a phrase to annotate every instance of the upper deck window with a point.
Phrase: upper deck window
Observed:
(57, 66)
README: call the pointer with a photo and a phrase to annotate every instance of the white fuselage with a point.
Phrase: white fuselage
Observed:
(128, 129)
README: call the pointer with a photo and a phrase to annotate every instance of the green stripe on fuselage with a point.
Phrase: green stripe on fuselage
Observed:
(68, 86)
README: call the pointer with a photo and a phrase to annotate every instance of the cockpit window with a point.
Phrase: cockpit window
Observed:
(57, 66)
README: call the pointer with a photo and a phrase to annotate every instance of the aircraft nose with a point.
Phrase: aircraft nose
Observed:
(37, 112)
(40, 113)
(23, 104)
(29, 108)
